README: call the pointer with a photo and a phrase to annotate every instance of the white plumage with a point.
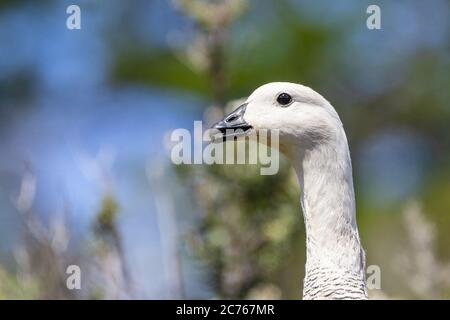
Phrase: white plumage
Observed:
(313, 139)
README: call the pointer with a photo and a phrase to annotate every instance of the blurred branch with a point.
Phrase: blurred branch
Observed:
(167, 226)
(110, 259)
(43, 255)
(422, 271)
(213, 19)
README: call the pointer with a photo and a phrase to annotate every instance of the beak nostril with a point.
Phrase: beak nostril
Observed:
(232, 118)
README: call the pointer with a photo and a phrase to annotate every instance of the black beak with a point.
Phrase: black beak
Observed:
(232, 126)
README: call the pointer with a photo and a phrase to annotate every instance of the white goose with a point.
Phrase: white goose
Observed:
(312, 137)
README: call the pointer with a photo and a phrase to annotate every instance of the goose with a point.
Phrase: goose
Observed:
(312, 138)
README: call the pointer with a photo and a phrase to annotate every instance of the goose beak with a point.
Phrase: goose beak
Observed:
(232, 126)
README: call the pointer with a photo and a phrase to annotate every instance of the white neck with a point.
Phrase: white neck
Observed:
(335, 259)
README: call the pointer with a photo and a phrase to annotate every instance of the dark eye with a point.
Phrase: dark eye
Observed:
(284, 99)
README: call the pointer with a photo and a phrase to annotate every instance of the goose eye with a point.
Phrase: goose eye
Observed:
(284, 98)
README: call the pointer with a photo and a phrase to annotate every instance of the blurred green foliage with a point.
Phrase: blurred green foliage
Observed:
(14, 288)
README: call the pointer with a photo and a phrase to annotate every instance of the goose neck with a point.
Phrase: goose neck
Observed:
(333, 249)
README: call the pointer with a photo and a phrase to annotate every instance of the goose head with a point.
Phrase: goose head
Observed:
(302, 117)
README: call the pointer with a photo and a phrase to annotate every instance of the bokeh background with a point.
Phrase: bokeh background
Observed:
(85, 171)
